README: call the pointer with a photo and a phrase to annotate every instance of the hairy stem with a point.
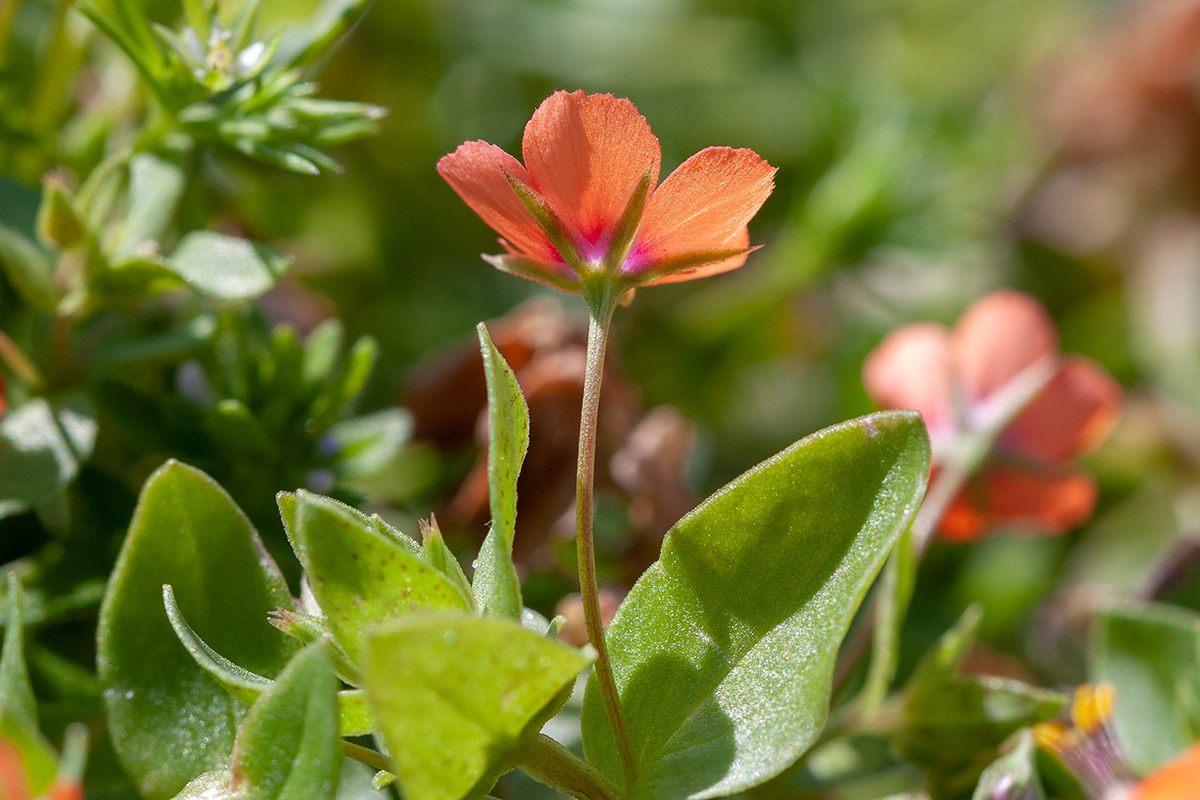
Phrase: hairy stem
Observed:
(598, 327)
(548, 762)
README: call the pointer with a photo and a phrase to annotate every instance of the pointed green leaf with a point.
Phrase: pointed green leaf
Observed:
(359, 576)
(1152, 656)
(288, 747)
(226, 267)
(287, 512)
(724, 651)
(155, 188)
(306, 629)
(443, 560)
(18, 708)
(453, 694)
(247, 686)
(170, 721)
(497, 587)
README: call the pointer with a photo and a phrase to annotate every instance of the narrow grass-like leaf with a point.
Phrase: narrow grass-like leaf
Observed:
(496, 585)
(724, 651)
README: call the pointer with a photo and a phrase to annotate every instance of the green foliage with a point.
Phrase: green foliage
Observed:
(952, 724)
(18, 710)
(1014, 775)
(1151, 655)
(288, 747)
(42, 448)
(225, 267)
(169, 721)
(454, 694)
(497, 588)
(724, 650)
(224, 85)
(360, 577)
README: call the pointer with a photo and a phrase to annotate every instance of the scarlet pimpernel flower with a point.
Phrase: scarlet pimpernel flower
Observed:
(586, 208)
(1089, 749)
(1004, 409)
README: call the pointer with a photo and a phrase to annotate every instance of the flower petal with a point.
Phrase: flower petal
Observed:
(1013, 498)
(586, 154)
(910, 369)
(703, 205)
(1175, 780)
(998, 337)
(1071, 416)
(476, 172)
(741, 242)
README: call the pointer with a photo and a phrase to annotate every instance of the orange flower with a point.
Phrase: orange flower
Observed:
(1178, 779)
(587, 203)
(965, 382)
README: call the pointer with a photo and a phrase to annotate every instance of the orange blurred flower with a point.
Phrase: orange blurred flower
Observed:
(1178, 779)
(995, 391)
(587, 201)
(1090, 751)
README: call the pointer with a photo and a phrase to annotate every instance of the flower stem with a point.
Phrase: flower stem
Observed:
(601, 308)
(549, 763)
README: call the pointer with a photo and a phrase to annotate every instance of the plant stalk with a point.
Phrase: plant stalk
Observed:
(549, 763)
(601, 312)
(365, 755)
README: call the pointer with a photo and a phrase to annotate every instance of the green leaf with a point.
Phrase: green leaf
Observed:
(322, 350)
(306, 629)
(155, 188)
(248, 686)
(367, 444)
(443, 560)
(170, 722)
(18, 708)
(1152, 656)
(58, 222)
(895, 593)
(287, 513)
(946, 722)
(454, 693)
(288, 747)
(359, 576)
(28, 265)
(42, 447)
(724, 650)
(305, 43)
(1013, 776)
(226, 267)
(497, 587)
